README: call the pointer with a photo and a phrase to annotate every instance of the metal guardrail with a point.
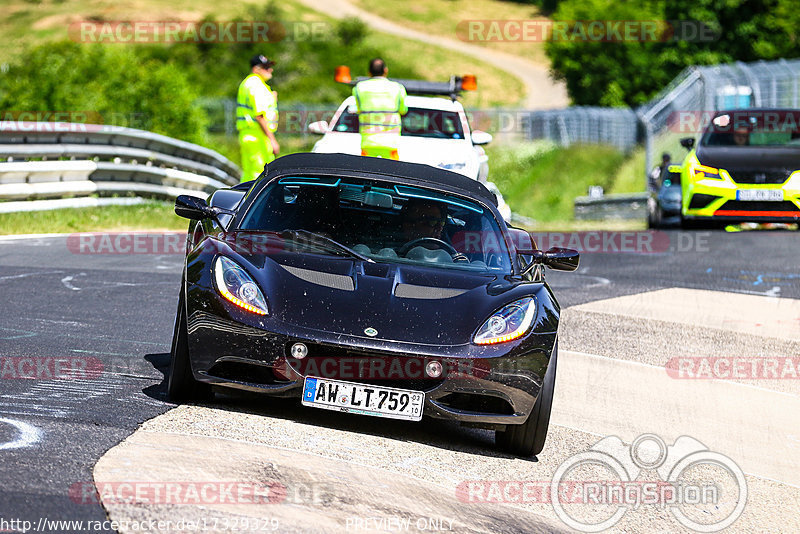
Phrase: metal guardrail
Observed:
(614, 206)
(46, 160)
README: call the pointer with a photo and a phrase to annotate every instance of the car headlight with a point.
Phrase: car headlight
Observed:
(452, 166)
(235, 285)
(510, 322)
(703, 171)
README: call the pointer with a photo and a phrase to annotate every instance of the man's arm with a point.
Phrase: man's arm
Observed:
(402, 108)
(262, 121)
(264, 102)
(356, 96)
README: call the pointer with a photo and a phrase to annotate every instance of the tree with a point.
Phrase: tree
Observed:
(631, 72)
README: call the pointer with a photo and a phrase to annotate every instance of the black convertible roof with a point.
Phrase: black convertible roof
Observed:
(305, 162)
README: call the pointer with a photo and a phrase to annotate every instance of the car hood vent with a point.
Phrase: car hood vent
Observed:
(334, 281)
(410, 291)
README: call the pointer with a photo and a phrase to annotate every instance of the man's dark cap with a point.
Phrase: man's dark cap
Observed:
(261, 61)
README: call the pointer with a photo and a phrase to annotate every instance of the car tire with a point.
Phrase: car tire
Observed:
(654, 219)
(687, 224)
(181, 384)
(528, 438)
(701, 224)
(651, 213)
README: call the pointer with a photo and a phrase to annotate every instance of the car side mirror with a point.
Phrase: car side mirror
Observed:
(480, 137)
(193, 208)
(318, 127)
(559, 259)
(687, 143)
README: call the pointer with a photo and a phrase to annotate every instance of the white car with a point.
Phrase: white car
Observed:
(435, 132)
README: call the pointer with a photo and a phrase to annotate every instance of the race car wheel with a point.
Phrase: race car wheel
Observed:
(693, 224)
(181, 385)
(528, 438)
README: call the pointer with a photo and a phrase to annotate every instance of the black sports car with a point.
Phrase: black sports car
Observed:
(369, 286)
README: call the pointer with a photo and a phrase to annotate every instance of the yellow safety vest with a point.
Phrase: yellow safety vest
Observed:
(255, 98)
(380, 103)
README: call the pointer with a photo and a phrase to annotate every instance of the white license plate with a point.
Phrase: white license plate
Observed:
(364, 399)
(759, 194)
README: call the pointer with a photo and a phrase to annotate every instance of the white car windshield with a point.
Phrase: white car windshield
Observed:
(418, 122)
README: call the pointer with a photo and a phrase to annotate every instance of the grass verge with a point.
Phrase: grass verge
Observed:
(540, 180)
(151, 215)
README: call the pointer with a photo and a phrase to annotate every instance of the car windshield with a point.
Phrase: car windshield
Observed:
(671, 173)
(754, 128)
(379, 221)
(418, 122)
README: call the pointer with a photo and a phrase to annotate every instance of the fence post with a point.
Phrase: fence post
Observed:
(648, 145)
(230, 127)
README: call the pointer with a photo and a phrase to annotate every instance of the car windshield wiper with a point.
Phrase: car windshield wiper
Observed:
(321, 239)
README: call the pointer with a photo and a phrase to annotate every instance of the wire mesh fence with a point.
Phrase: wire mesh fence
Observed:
(683, 109)
(688, 104)
(613, 126)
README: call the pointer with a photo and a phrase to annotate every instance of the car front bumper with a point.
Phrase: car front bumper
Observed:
(489, 386)
(717, 199)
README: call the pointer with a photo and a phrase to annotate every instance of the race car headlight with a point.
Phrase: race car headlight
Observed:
(702, 171)
(510, 322)
(235, 285)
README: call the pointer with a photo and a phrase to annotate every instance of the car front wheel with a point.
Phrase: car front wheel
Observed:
(528, 438)
(181, 384)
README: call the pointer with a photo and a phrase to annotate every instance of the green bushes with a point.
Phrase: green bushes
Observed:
(156, 87)
(107, 84)
(305, 59)
(541, 181)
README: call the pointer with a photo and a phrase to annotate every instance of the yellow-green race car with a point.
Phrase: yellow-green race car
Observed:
(746, 168)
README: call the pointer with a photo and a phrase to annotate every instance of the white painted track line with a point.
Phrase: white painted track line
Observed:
(757, 428)
(735, 312)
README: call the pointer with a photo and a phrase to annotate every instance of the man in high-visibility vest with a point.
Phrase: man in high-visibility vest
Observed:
(257, 118)
(380, 103)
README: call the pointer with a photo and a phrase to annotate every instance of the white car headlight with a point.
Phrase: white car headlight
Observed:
(452, 165)
(235, 285)
(510, 322)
